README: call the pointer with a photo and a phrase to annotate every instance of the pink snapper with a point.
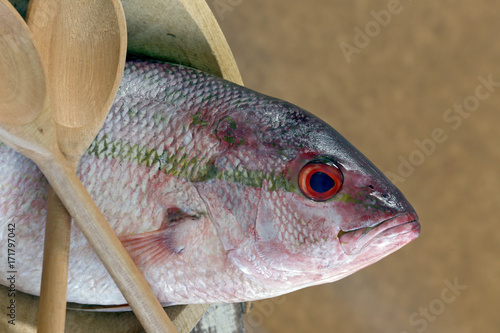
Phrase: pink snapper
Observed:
(219, 193)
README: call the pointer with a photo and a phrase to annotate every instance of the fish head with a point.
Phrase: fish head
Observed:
(324, 210)
(365, 220)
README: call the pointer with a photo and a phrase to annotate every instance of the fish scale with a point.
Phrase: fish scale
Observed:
(199, 178)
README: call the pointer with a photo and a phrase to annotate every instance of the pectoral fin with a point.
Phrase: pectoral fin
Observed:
(174, 235)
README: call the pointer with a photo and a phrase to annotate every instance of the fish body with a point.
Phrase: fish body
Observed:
(219, 193)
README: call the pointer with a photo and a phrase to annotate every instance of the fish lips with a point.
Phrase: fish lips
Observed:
(403, 228)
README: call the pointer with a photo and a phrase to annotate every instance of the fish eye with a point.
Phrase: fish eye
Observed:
(320, 181)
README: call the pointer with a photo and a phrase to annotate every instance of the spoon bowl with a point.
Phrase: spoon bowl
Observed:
(19, 104)
(83, 46)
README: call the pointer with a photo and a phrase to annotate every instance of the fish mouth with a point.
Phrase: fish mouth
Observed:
(403, 228)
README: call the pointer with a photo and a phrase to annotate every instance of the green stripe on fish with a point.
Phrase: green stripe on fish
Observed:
(194, 169)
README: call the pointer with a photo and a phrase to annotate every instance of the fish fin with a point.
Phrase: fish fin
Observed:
(98, 308)
(170, 239)
(104, 308)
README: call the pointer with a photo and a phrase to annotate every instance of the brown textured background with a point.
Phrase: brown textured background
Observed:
(395, 91)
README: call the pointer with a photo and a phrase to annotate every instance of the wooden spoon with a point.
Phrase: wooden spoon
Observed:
(83, 48)
(26, 125)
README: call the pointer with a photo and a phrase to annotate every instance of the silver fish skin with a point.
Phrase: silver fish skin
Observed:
(201, 180)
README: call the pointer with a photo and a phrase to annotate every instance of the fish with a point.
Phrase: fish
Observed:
(220, 194)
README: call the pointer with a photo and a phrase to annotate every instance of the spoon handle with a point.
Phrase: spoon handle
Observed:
(105, 243)
(53, 290)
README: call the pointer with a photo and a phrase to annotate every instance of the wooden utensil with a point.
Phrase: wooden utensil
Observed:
(26, 125)
(83, 75)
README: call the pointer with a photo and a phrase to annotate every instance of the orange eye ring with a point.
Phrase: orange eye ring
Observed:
(320, 181)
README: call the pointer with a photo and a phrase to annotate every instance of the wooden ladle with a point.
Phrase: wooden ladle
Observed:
(83, 49)
(27, 125)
